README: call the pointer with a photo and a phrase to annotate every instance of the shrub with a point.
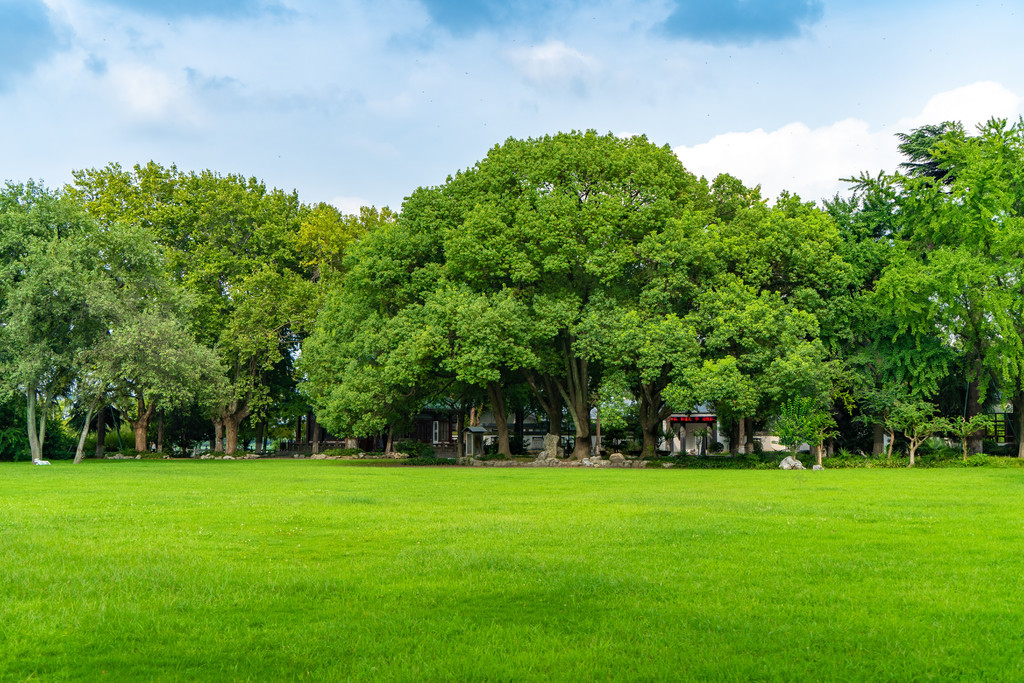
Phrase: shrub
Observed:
(343, 452)
(416, 449)
(517, 445)
(990, 447)
(428, 461)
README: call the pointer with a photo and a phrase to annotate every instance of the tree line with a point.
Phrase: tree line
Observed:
(559, 274)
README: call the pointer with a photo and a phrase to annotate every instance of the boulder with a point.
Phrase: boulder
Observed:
(552, 448)
(617, 458)
(318, 456)
(791, 463)
(817, 467)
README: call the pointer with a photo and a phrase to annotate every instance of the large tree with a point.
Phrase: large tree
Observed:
(49, 267)
(561, 221)
(232, 244)
(956, 271)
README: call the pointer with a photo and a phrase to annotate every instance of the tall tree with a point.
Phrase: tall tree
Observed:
(956, 273)
(232, 243)
(49, 268)
(560, 221)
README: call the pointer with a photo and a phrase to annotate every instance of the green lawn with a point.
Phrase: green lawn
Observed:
(263, 570)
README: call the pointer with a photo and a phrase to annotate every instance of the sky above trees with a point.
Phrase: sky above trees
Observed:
(361, 101)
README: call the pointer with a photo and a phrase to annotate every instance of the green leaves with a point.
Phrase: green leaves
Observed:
(803, 420)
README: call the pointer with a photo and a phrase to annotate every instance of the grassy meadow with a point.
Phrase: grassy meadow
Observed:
(268, 570)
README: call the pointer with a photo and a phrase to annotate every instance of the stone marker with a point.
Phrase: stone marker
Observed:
(791, 463)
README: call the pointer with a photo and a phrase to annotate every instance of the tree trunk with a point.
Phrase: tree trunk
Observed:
(232, 415)
(316, 435)
(973, 408)
(817, 454)
(742, 435)
(231, 424)
(650, 413)
(520, 413)
(1019, 436)
(597, 434)
(892, 443)
(878, 442)
(261, 436)
(141, 424)
(497, 398)
(391, 440)
(218, 435)
(575, 391)
(140, 427)
(460, 437)
(80, 451)
(35, 444)
(734, 437)
(1016, 421)
(101, 431)
(160, 432)
(550, 399)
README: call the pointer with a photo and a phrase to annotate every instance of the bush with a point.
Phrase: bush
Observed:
(342, 452)
(416, 449)
(491, 454)
(516, 445)
(990, 447)
(716, 447)
(424, 461)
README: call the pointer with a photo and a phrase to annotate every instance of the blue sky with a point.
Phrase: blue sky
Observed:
(360, 102)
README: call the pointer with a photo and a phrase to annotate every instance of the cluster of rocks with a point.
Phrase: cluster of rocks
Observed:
(211, 456)
(791, 463)
(357, 456)
(545, 459)
(122, 456)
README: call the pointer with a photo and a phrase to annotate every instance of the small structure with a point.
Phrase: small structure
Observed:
(693, 430)
(474, 441)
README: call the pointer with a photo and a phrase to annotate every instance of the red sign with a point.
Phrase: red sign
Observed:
(684, 419)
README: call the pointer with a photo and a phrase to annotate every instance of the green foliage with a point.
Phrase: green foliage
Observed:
(917, 421)
(801, 420)
(13, 440)
(343, 452)
(963, 428)
(416, 449)
(428, 461)
(233, 246)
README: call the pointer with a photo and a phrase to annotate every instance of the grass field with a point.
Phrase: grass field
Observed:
(268, 570)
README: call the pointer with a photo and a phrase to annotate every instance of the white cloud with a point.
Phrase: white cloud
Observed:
(971, 105)
(810, 162)
(350, 205)
(794, 157)
(553, 62)
(151, 95)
